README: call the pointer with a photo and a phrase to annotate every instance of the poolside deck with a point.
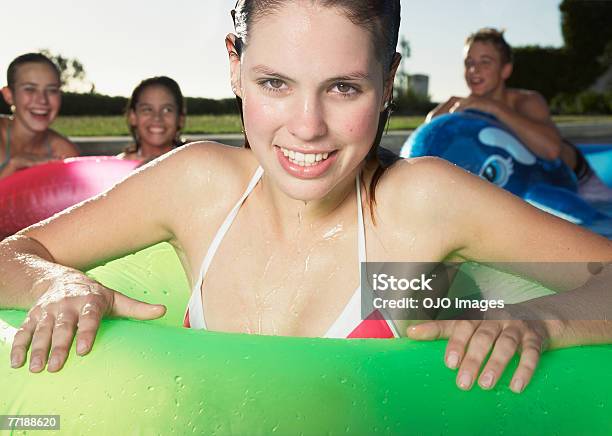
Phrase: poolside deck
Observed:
(580, 133)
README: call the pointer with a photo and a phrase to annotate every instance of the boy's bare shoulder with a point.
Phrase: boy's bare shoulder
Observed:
(530, 104)
(526, 97)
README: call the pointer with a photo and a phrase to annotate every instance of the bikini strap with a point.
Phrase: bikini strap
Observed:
(355, 302)
(195, 308)
(361, 242)
(48, 144)
(214, 245)
(7, 147)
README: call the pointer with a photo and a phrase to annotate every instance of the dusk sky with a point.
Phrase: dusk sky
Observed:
(122, 42)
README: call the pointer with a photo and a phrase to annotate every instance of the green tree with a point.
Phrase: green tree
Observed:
(586, 26)
(587, 30)
(72, 73)
(563, 74)
(545, 69)
(402, 78)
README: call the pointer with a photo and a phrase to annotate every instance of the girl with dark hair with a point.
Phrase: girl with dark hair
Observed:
(272, 236)
(155, 115)
(33, 92)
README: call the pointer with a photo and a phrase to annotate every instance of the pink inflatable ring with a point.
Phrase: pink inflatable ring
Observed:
(39, 192)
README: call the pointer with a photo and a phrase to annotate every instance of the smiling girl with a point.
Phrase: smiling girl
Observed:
(155, 115)
(272, 235)
(33, 91)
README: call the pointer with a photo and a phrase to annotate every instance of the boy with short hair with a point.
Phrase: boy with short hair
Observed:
(488, 64)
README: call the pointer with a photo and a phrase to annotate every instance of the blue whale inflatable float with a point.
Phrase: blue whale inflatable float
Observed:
(479, 143)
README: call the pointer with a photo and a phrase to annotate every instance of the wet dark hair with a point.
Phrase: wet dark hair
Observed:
(172, 87)
(28, 58)
(494, 37)
(380, 17)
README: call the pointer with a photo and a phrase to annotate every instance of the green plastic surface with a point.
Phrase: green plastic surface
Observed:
(159, 378)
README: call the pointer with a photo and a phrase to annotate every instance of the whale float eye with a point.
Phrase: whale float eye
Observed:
(497, 170)
(490, 172)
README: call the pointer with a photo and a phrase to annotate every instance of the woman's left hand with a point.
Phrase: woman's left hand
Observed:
(470, 341)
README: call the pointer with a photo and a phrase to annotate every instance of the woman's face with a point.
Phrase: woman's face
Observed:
(312, 91)
(156, 117)
(36, 96)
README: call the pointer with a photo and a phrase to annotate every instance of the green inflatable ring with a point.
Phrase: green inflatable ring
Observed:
(159, 378)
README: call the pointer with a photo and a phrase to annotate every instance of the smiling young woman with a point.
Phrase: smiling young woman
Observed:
(155, 115)
(272, 236)
(33, 91)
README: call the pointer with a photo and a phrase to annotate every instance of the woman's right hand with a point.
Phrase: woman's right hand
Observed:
(73, 303)
(22, 162)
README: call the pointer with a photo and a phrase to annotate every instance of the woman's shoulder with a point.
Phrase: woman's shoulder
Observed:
(410, 176)
(431, 188)
(210, 164)
(423, 186)
(216, 156)
(124, 155)
(61, 146)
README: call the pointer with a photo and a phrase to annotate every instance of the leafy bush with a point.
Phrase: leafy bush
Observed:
(409, 103)
(545, 69)
(92, 104)
(99, 104)
(584, 103)
(590, 102)
(563, 103)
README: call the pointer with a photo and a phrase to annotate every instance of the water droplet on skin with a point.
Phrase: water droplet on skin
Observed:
(333, 233)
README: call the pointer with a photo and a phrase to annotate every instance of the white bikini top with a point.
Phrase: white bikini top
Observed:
(346, 321)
